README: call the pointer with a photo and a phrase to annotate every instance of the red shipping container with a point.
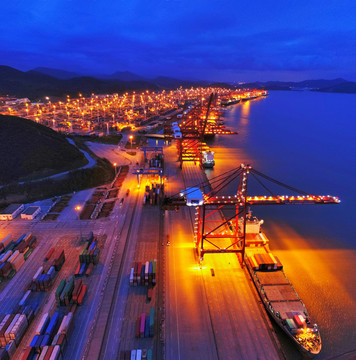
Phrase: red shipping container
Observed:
(76, 290)
(82, 294)
(90, 269)
(49, 353)
(49, 254)
(28, 353)
(299, 320)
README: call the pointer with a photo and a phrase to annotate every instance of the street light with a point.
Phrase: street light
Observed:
(77, 209)
(131, 137)
(115, 165)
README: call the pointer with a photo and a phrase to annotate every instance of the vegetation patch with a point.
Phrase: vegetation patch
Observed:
(31, 151)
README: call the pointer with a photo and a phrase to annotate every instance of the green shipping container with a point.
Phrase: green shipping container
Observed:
(60, 288)
(152, 316)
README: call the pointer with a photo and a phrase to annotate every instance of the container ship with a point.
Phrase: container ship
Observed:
(277, 293)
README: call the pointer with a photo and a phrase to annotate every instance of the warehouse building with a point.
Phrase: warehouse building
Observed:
(11, 211)
(31, 212)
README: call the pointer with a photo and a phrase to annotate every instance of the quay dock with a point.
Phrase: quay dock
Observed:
(208, 317)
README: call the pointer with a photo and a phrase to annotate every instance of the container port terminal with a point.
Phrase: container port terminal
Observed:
(160, 264)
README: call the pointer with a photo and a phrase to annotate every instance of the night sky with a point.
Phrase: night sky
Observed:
(209, 40)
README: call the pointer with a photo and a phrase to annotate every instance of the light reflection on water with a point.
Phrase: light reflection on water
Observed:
(305, 139)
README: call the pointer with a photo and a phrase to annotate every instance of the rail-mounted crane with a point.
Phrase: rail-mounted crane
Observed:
(220, 220)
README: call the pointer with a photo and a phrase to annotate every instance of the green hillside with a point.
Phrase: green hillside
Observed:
(29, 150)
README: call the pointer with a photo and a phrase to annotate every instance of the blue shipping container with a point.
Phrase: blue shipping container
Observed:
(34, 340)
(52, 325)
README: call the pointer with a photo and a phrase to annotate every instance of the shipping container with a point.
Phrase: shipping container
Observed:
(149, 354)
(42, 325)
(34, 341)
(49, 352)
(82, 269)
(82, 294)
(133, 354)
(28, 354)
(131, 276)
(152, 320)
(3, 354)
(52, 326)
(6, 241)
(89, 270)
(13, 257)
(147, 327)
(142, 325)
(138, 354)
(18, 262)
(45, 340)
(150, 273)
(143, 274)
(9, 329)
(11, 348)
(6, 256)
(55, 353)
(38, 273)
(38, 343)
(76, 290)
(49, 254)
(43, 353)
(27, 253)
(146, 272)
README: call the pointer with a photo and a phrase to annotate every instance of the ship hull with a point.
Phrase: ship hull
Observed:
(277, 320)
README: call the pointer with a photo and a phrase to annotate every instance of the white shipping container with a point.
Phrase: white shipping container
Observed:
(51, 272)
(6, 241)
(24, 298)
(133, 354)
(3, 322)
(147, 266)
(11, 348)
(41, 324)
(132, 276)
(55, 353)
(55, 339)
(27, 236)
(18, 262)
(38, 272)
(14, 256)
(69, 321)
(63, 324)
(43, 353)
(139, 354)
(20, 332)
(9, 329)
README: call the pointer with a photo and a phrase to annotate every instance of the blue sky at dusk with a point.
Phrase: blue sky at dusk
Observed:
(210, 40)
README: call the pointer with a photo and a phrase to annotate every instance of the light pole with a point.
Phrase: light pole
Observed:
(77, 209)
(115, 166)
(131, 137)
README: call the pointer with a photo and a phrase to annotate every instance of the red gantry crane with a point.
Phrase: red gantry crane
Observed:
(198, 122)
(220, 222)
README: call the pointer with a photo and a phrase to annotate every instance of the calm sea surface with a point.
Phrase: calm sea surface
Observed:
(306, 140)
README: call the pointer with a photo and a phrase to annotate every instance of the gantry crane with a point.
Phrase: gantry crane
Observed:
(220, 220)
(194, 127)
